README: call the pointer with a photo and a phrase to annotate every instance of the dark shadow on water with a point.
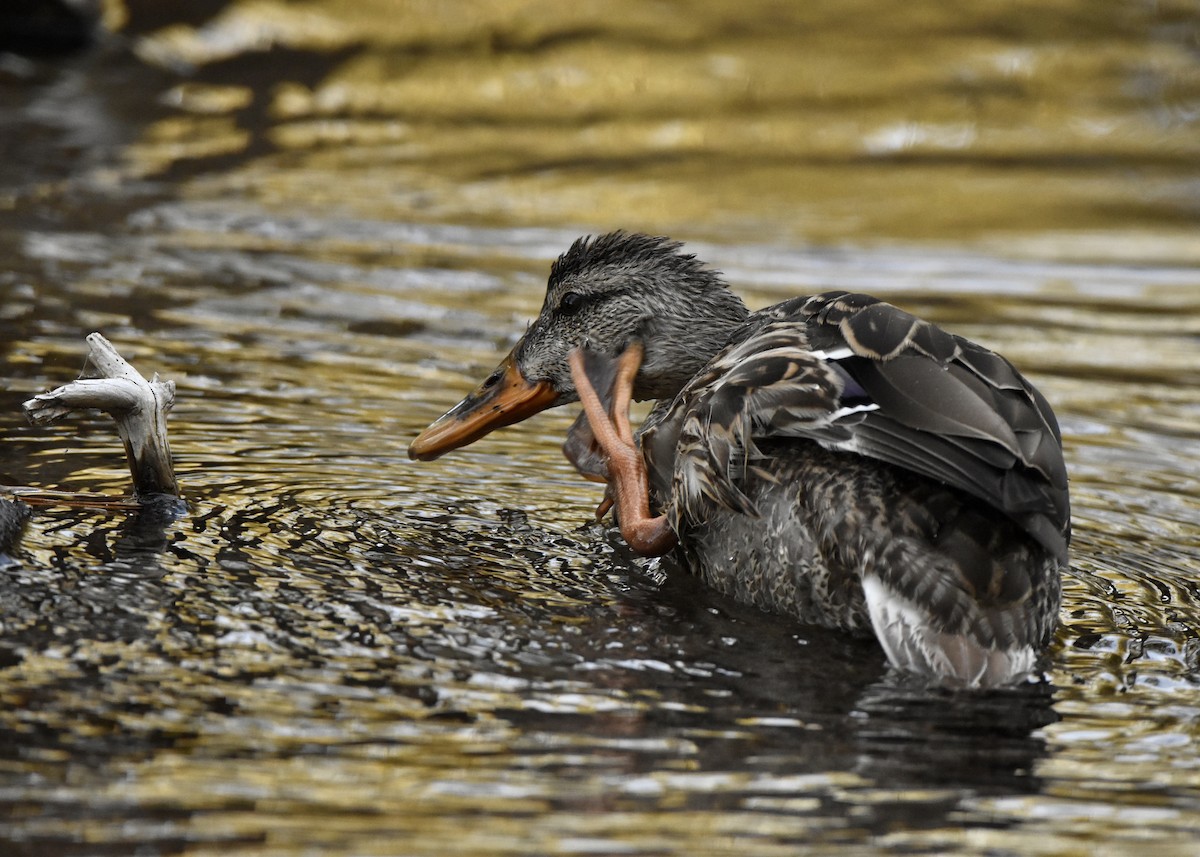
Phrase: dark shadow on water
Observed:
(108, 598)
(919, 737)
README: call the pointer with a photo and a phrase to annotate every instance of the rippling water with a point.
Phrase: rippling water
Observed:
(325, 223)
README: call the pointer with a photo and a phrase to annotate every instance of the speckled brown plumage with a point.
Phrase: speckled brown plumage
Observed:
(824, 520)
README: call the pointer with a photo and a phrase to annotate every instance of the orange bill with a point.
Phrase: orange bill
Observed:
(506, 397)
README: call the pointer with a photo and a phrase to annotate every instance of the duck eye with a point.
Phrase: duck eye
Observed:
(570, 303)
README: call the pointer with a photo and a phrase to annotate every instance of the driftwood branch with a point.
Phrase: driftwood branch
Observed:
(139, 408)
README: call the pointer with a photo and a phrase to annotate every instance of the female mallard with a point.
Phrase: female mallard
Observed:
(831, 457)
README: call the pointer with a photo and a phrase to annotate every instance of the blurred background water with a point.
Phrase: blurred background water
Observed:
(326, 220)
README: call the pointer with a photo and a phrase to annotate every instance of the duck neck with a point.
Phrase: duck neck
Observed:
(678, 346)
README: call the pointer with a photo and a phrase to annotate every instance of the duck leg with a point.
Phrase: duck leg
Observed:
(649, 536)
(621, 391)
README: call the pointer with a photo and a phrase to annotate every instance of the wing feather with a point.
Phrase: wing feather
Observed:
(860, 376)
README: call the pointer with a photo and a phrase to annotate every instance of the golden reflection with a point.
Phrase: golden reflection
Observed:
(184, 138)
(762, 121)
(198, 98)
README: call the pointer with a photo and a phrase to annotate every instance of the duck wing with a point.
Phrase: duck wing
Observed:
(861, 376)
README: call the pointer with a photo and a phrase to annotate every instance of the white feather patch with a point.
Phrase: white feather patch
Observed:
(834, 354)
(912, 644)
(853, 409)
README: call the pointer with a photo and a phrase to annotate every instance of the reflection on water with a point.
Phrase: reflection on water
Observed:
(337, 651)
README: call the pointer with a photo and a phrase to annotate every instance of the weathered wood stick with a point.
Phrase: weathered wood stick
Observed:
(139, 408)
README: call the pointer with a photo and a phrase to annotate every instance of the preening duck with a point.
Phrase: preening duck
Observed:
(831, 457)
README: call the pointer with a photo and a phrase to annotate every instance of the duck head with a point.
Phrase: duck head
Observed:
(603, 294)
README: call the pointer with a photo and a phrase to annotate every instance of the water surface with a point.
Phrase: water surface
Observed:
(327, 221)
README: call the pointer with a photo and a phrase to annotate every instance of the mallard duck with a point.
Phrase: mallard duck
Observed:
(831, 457)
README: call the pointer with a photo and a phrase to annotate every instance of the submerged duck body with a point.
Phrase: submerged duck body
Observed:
(831, 457)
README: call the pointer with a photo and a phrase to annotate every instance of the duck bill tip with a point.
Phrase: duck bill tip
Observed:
(506, 397)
